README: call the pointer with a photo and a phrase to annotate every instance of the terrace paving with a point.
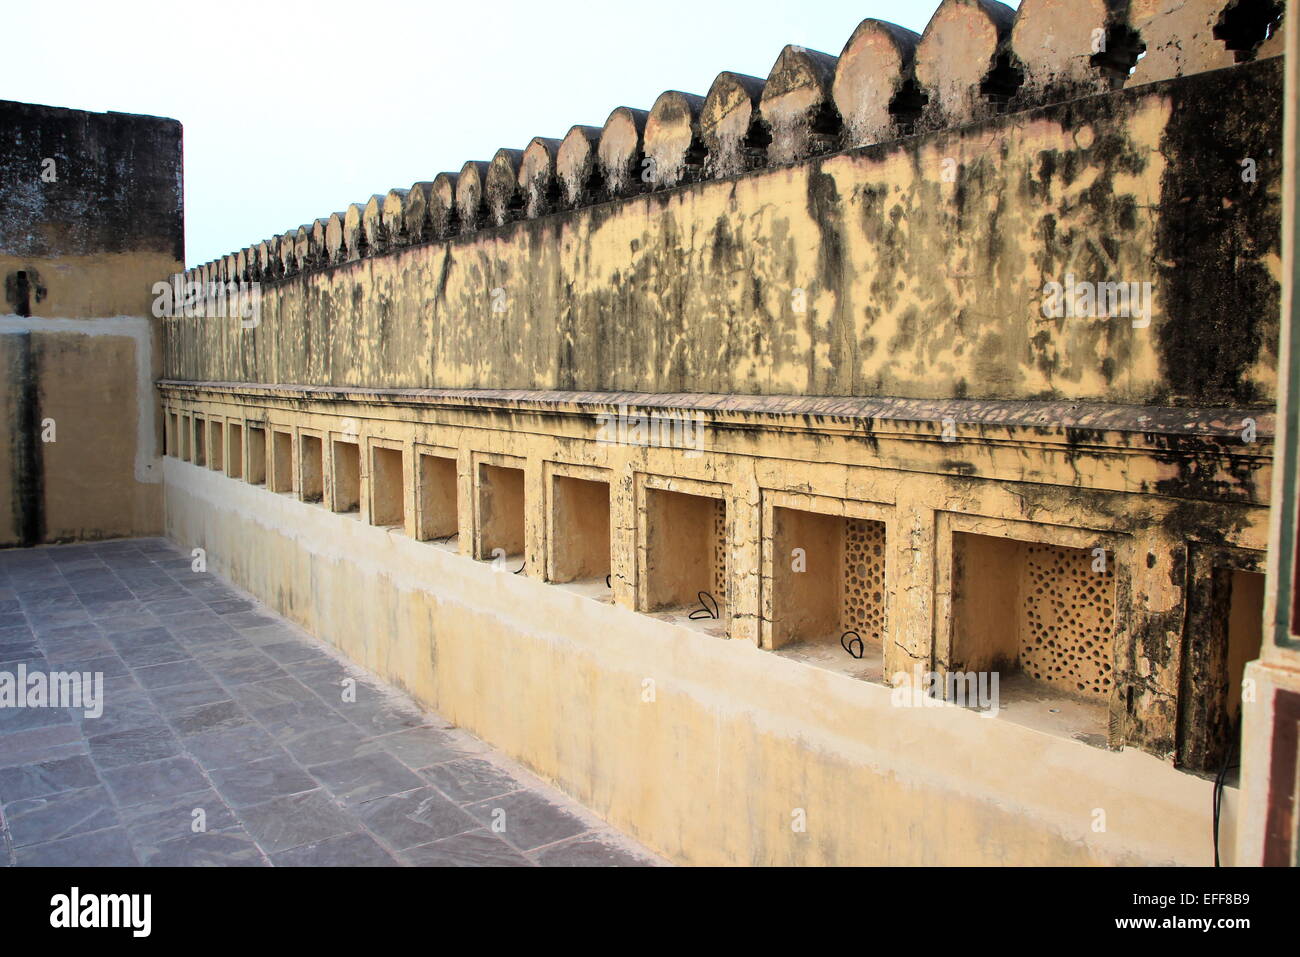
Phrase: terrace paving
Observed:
(225, 738)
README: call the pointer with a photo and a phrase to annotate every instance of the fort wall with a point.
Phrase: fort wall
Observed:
(660, 454)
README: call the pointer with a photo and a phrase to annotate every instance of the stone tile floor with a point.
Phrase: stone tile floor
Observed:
(220, 712)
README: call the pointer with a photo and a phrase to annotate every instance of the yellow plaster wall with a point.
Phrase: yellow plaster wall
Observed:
(737, 745)
(94, 355)
(913, 268)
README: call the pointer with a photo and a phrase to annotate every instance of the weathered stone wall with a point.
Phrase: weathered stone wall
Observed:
(90, 219)
(916, 267)
(837, 277)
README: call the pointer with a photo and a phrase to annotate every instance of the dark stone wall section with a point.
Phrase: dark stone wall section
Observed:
(117, 188)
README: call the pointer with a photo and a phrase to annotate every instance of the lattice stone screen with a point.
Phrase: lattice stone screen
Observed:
(1067, 619)
(864, 578)
(720, 551)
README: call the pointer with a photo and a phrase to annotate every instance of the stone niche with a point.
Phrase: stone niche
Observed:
(501, 511)
(828, 583)
(580, 543)
(387, 487)
(256, 465)
(311, 468)
(199, 429)
(685, 550)
(437, 497)
(347, 476)
(281, 461)
(1038, 611)
(235, 450)
(216, 444)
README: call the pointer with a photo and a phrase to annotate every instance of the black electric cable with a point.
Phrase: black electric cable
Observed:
(1234, 735)
(704, 611)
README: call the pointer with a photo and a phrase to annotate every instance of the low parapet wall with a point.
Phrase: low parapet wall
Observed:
(376, 521)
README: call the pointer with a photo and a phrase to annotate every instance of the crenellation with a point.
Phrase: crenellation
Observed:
(318, 248)
(620, 155)
(383, 223)
(537, 182)
(470, 196)
(874, 88)
(957, 58)
(355, 241)
(443, 221)
(303, 254)
(265, 262)
(731, 125)
(335, 248)
(798, 107)
(1179, 38)
(994, 327)
(576, 166)
(501, 192)
(975, 59)
(286, 248)
(415, 213)
(673, 144)
(1069, 48)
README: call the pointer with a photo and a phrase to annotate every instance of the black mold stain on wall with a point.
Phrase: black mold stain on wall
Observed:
(1220, 302)
(26, 461)
(22, 288)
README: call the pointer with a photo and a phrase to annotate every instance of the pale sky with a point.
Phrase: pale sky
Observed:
(294, 109)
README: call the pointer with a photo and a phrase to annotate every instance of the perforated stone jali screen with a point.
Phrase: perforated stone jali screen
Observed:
(1068, 619)
(720, 551)
(864, 578)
